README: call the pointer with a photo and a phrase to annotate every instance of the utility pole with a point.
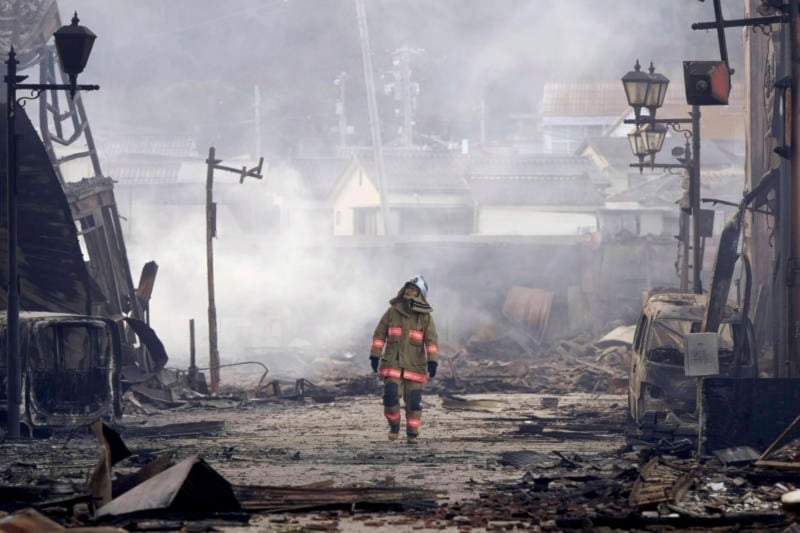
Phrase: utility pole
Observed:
(406, 91)
(372, 106)
(211, 232)
(341, 107)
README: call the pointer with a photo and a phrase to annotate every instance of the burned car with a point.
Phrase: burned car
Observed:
(70, 366)
(658, 381)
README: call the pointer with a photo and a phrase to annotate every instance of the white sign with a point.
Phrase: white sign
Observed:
(702, 357)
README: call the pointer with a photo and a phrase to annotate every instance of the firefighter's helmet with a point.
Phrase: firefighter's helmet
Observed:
(420, 283)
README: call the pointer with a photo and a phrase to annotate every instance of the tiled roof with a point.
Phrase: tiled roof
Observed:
(583, 99)
(545, 179)
(421, 170)
(608, 98)
(536, 190)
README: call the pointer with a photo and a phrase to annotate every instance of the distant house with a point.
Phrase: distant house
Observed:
(426, 194)
(457, 194)
(535, 195)
(574, 111)
(303, 188)
(651, 206)
(612, 156)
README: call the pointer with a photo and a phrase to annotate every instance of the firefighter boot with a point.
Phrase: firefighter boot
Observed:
(394, 431)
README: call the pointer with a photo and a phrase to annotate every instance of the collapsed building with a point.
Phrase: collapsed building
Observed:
(83, 323)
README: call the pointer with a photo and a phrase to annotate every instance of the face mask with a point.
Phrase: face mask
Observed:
(410, 292)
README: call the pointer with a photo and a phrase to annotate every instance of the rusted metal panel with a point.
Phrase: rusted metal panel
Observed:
(189, 486)
(529, 306)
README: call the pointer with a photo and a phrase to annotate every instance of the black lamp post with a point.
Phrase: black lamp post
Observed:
(648, 138)
(73, 44)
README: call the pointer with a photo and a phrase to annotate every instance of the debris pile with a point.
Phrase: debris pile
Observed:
(505, 362)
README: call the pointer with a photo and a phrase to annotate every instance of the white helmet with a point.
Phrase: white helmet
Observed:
(420, 283)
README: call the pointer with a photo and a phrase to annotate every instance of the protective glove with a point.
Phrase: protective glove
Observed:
(432, 368)
(374, 362)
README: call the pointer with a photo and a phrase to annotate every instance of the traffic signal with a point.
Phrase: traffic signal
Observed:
(706, 82)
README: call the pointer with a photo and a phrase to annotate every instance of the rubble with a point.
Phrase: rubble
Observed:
(522, 439)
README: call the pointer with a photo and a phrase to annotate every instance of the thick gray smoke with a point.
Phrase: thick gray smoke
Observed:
(193, 67)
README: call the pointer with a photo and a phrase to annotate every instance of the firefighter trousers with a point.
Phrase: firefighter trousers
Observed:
(411, 391)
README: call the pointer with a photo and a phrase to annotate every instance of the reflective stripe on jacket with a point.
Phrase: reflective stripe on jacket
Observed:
(405, 340)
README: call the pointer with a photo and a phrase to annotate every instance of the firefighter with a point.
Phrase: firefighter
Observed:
(405, 354)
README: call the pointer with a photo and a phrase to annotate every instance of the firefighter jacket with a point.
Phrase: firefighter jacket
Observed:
(406, 339)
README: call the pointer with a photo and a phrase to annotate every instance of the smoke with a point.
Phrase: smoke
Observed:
(272, 291)
(191, 66)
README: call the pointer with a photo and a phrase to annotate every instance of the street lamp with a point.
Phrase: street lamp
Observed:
(648, 139)
(653, 135)
(645, 90)
(73, 44)
(656, 91)
(638, 146)
(636, 83)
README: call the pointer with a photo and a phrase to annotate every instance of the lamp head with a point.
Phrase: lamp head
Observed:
(636, 84)
(656, 91)
(74, 44)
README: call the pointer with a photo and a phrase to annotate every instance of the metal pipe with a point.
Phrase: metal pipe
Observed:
(192, 352)
(723, 47)
(14, 366)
